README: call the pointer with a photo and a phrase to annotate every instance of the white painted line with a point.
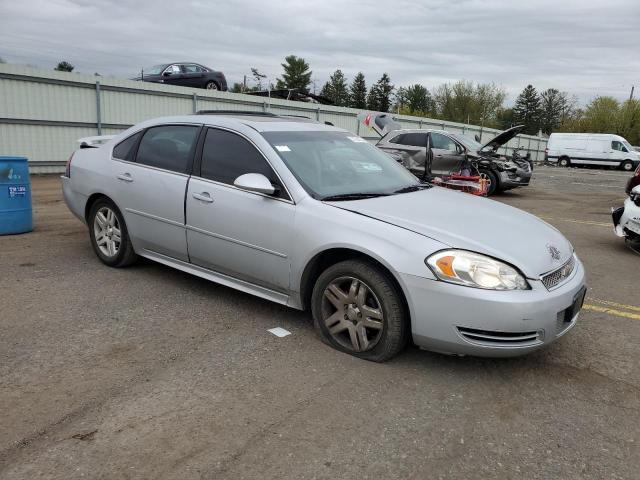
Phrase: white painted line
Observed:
(279, 332)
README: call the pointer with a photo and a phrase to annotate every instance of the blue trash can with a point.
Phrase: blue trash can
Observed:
(16, 214)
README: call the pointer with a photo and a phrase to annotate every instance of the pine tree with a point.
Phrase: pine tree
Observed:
(526, 111)
(552, 109)
(379, 97)
(336, 89)
(418, 99)
(358, 92)
(296, 74)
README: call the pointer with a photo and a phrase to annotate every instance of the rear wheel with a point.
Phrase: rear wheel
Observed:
(492, 181)
(212, 86)
(109, 235)
(358, 309)
(627, 165)
(564, 162)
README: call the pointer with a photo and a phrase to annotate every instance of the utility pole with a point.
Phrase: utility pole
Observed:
(631, 94)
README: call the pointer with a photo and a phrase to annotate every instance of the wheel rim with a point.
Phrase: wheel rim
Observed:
(212, 86)
(352, 314)
(106, 230)
(627, 166)
(563, 162)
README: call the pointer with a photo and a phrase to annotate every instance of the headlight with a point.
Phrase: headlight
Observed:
(475, 270)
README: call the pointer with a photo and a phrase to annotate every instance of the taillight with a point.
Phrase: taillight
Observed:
(67, 171)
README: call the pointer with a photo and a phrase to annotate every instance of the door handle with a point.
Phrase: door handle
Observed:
(203, 197)
(125, 177)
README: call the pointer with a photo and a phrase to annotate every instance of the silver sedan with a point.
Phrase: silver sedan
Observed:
(313, 217)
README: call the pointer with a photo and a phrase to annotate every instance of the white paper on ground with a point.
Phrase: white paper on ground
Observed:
(279, 332)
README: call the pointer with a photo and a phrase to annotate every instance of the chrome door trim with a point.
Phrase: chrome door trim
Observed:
(233, 240)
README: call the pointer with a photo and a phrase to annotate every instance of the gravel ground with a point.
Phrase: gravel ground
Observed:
(147, 372)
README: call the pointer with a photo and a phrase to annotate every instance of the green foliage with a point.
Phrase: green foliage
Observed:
(64, 66)
(237, 88)
(414, 100)
(296, 74)
(336, 89)
(607, 115)
(527, 110)
(379, 98)
(358, 92)
(554, 105)
(504, 118)
(467, 102)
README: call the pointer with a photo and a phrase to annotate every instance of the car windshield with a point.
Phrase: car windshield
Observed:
(330, 165)
(468, 142)
(628, 145)
(155, 70)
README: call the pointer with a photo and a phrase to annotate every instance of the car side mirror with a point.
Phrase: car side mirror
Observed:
(166, 74)
(255, 182)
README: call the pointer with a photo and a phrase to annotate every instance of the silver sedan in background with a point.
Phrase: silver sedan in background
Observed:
(311, 216)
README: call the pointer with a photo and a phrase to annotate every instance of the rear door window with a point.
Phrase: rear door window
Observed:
(169, 147)
(227, 155)
(414, 139)
(125, 150)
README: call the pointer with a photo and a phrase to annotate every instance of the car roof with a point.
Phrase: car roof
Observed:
(256, 122)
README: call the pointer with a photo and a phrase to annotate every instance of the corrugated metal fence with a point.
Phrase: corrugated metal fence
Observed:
(43, 113)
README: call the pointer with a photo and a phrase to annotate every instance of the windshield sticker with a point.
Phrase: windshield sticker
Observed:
(357, 139)
(283, 148)
(368, 167)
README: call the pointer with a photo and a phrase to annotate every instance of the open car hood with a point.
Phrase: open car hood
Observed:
(502, 138)
(381, 123)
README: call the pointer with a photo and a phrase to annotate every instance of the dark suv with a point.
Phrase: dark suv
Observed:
(185, 74)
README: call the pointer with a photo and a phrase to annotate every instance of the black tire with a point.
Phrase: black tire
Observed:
(627, 166)
(394, 333)
(494, 184)
(564, 162)
(125, 255)
(211, 85)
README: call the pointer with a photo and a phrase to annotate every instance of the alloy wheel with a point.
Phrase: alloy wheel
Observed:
(352, 314)
(106, 230)
(212, 86)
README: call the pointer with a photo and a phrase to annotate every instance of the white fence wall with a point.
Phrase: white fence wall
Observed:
(43, 113)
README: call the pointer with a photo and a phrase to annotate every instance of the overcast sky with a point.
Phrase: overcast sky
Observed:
(585, 47)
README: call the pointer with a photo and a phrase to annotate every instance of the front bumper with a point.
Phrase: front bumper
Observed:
(455, 319)
(519, 178)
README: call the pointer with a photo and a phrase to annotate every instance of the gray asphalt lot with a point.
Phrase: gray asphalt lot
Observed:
(147, 372)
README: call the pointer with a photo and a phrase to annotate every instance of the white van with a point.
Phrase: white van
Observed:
(605, 149)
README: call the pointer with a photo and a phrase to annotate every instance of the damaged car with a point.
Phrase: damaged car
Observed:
(430, 153)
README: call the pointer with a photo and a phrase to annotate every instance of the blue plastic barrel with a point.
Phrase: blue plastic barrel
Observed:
(16, 214)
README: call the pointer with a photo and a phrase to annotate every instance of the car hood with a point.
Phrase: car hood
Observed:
(460, 220)
(502, 138)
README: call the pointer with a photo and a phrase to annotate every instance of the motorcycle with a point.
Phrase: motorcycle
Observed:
(626, 220)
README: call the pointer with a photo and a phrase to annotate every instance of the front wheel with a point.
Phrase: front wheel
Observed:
(492, 181)
(358, 309)
(627, 165)
(109, 235)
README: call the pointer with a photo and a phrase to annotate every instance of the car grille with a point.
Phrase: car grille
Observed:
(500, 339)
(555, 278)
